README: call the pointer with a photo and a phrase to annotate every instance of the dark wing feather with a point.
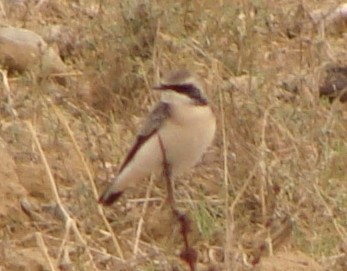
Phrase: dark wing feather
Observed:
(154, 121)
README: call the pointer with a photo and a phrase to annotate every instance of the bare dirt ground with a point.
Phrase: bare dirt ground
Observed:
(270, 194)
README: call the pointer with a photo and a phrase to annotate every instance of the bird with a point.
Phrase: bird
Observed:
(177, 131)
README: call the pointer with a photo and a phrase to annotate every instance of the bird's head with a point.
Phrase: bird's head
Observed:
(182, 86)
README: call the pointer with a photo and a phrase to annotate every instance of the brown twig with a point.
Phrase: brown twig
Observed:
(188, 254)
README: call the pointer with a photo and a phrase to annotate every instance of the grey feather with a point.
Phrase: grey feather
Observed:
(153, 122)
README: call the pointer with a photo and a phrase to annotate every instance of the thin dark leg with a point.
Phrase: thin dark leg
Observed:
(169, 184)
(189, 254)
(167, 175)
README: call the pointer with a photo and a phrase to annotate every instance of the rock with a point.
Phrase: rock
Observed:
(22, 49)
(19, 48)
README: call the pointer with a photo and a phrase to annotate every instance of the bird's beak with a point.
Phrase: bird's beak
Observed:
(160, 87)
(157, 87)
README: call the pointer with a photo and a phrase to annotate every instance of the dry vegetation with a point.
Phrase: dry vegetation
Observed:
(274, 182)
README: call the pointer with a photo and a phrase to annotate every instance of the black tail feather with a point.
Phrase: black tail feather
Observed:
(107, 199)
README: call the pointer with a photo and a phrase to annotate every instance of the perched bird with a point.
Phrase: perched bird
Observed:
(180, 128)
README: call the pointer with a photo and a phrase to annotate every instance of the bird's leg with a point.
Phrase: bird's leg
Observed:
(189, 254)
(169, 185)
(167, 175)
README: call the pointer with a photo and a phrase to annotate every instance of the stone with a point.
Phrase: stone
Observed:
(22, 49)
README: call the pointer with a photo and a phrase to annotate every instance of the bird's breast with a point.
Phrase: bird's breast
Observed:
(186, 135)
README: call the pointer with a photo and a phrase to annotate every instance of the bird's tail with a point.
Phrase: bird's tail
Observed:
(110, 195)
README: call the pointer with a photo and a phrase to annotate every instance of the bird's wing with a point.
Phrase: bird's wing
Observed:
(153, 122)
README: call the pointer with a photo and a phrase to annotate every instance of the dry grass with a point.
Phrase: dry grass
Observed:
(274, 180)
